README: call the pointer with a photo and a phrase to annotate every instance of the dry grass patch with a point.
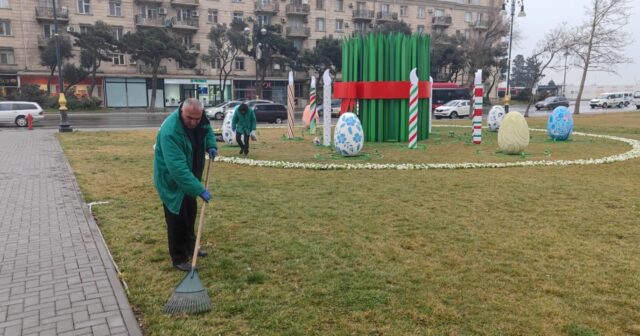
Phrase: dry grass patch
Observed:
(535, 251)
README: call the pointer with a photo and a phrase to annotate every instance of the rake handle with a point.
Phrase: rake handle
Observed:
(196, 247)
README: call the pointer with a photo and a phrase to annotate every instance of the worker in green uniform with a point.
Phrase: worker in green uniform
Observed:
(183, 138)
(244, 124)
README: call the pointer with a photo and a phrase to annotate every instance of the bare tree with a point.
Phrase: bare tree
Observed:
(599, 43)
(544, 56)
(224, 49)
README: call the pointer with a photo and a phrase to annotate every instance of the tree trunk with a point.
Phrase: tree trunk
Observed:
(585, 67)
(93, 81)
(154, 86)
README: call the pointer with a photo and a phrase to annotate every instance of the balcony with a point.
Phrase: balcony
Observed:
(192, 3)
(186, 24)
(298, 32)
(292, 9)
(148, 22)
(150, 1)
(479, 25)
(386, 16)
(46, 14)
(441, 21)
(44, 40)
(363, 14)
(146, 69)
(271, 7)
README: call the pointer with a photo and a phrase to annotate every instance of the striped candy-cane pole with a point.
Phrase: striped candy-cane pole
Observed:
(413, 110)
(326, 108)
(477, 108)
(290, 105)
(312, 106)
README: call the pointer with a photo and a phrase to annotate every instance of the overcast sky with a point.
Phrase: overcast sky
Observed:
(543, 15)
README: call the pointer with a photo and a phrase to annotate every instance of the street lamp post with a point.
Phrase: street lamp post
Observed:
(507, 94)
(257, 47)
(64, 122)
(564, 81)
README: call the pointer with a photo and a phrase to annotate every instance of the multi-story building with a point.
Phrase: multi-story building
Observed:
(26, 25)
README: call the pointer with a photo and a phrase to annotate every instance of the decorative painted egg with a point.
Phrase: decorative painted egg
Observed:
(306, 117)
(348, 136)
(495, 117)
(560, 124)
(228, 135)
(513, 135)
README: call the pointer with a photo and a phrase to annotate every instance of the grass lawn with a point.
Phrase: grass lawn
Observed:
(516, 251)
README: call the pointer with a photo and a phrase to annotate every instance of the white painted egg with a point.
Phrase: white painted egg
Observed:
(496, 114)
(513, 135)
(348, 136)
(228, 135)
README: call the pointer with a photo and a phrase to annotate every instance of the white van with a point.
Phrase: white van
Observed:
(627, 97)
(636, 99)
(607, 100)
(17, 112)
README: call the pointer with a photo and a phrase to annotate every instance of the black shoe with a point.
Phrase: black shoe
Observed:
(202, 253)
(241, 151)
(183, 266)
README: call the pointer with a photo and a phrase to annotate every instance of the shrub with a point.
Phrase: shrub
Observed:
(32, 93)
(83, 103)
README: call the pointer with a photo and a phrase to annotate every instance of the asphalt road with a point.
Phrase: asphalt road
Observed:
(98, 120)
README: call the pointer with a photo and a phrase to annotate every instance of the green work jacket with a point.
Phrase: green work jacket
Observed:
(172, 174)
(243, 123)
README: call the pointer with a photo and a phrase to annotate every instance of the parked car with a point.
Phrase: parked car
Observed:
(607, 100)
(252, 103)
(636, 99)
(627, 97)
(217, 112)
(17, 112)
(335, 108)
(270, 112)
(552, 102)
(453, 109)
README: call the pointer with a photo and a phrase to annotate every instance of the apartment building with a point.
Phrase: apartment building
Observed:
(26, 25)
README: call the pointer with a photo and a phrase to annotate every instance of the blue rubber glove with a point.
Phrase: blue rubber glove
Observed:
(233, 129)
(206, 196)
(213, 152)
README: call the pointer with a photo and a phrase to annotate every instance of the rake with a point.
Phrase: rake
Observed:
(191, 296)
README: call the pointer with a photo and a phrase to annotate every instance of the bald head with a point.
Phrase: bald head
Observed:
(191, 112)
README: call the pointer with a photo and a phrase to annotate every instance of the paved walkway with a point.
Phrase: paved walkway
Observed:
(56, 275)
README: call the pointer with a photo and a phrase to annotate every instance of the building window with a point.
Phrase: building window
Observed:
(385, 8)
(84, 6)
(212, 17)
(421, 14)
(150, 12)
(420, 29)
(360, 27)
(4, 3)
(264, 20)
(468, 17)
(320, 24)
(319, 4)
(5, 27)
(84, 29)
(438, 13)
(47, 29)
(339, 25)
(239, 63)
(238, 16)
(216, 63)
(115, 8)
(339, 5)
(184, 15)
(403, 10)
(475, 2)
(117, 32)
(6, 56)
(118, 59)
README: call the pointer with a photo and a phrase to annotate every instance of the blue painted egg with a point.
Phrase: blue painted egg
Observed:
(348, 136)
(560, 124)
(495, 117)
(228, 135)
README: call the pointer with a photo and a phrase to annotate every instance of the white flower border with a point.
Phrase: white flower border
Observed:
(631, 154)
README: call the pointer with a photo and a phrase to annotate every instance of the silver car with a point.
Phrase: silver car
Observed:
(17, 112)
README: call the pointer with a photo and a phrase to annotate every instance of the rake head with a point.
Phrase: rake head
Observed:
(189, 297)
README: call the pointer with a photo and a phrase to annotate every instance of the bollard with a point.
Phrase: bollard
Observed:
(29, 121)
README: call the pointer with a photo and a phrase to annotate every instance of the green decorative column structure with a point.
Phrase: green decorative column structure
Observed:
(375, 77)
